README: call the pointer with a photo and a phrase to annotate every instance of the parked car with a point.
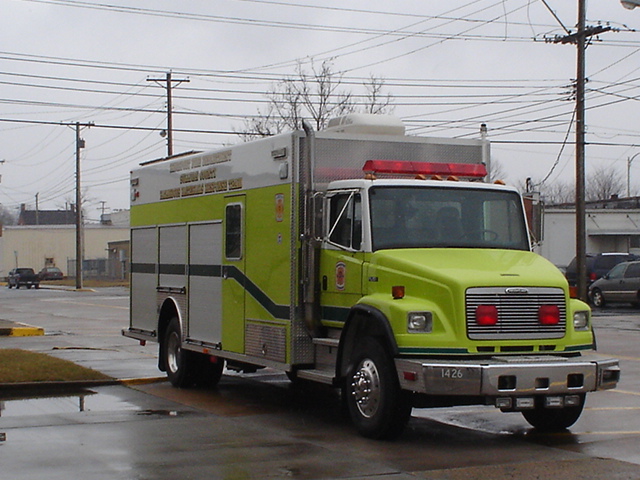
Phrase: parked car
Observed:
(621, 284)
(597, 265)
(23, 276)
(50, 273)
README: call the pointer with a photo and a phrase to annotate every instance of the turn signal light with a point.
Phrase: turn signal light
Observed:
(549, 315)
(487, 315)
(397, 292)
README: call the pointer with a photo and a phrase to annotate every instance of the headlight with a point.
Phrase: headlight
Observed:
(419, 322)
(581, 320)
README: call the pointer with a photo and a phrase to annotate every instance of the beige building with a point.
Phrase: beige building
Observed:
(37, 246)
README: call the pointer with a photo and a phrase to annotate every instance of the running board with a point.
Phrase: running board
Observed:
(321, 376)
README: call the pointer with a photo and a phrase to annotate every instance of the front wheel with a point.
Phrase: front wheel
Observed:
(377, 406)
(553, 419)
(597, 298)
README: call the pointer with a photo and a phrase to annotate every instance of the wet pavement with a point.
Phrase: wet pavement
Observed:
(261, 426)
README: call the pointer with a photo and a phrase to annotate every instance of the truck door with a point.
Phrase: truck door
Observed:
(233, 274)
(342, 257)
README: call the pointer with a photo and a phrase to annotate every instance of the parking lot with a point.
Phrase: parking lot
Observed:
(262, 426)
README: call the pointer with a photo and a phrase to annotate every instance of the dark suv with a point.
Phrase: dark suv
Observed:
(597, 265)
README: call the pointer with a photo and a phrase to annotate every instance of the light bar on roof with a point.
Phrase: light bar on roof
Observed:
(476, 170)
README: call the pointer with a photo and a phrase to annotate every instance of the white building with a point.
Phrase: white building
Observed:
(37, 246)
(611, 226)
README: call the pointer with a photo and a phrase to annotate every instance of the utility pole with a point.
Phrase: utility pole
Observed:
(169, 81)
(79, 221)
(629, 162)
(579, 38)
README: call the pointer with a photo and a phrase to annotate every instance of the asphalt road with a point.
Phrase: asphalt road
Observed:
(261, 426)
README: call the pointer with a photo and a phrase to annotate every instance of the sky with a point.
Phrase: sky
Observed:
(448, 66)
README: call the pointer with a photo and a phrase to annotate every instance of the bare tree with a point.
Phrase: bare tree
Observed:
(315, 94)
(6, 217)
(604, 183)
(601, 184)
(495, 171)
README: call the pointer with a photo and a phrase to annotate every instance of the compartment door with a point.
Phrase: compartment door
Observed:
(205, 282)
(233, 274)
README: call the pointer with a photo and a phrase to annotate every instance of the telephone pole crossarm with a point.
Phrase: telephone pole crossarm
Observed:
(169, 82)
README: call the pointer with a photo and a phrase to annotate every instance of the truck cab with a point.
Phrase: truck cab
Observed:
(437, 277)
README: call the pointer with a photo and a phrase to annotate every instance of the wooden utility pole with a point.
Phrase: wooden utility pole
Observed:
(579, 38)
(169, 81)
(79, 220)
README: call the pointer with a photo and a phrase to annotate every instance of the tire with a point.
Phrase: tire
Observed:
(377, 406)
(207, 373)
(9, 285)
(597, 298)
(553, 419)
(178, 362)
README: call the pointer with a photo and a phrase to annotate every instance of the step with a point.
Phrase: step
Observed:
(317, 375)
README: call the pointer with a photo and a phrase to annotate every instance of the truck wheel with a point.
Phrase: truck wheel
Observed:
(177, 360)
(207, 373)
(553, 419)
(597, 298)
(377, 406)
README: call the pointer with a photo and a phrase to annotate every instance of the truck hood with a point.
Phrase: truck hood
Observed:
(472, 267)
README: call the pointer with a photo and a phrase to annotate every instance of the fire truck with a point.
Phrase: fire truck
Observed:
(375, 262)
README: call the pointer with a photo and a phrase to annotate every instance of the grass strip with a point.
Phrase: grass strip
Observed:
(21, 366)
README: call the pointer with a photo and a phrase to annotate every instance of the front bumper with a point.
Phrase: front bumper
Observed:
(509, 376)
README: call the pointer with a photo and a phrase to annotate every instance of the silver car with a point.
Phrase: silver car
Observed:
(621, 284)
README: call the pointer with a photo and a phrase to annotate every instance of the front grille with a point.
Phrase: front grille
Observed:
(517, 313)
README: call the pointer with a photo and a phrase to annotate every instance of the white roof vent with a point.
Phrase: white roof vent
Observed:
(366, 123)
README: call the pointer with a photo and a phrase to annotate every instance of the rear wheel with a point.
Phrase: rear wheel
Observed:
(553, 419)
(176, 359)
(208, 370)
(377, 406)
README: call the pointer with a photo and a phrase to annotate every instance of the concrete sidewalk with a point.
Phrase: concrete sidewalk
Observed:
(85, 329)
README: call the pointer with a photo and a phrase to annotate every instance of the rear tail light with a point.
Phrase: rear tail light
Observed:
(486, 315)
(593, 277)
(549, 315)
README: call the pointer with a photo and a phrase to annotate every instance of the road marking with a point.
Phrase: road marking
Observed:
(626, 392)
(621, 357)
(87, 304)
(611, 408)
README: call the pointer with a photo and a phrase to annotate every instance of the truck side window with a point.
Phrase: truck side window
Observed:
(345, 220)
(233, 235)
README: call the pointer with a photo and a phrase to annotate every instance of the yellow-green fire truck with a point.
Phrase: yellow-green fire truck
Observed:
(359, 257)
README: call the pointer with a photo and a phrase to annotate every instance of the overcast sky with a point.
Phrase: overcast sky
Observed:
(449, 66)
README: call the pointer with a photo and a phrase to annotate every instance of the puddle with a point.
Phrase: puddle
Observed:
(78, 402)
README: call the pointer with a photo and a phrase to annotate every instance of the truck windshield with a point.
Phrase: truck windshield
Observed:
(423, 217)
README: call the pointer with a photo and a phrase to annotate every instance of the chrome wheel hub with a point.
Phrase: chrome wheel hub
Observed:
(365, 388)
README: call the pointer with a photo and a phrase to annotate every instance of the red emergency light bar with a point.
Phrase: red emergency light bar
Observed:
(476, 170)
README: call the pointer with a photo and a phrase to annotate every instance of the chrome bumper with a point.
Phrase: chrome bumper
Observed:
(509, 376)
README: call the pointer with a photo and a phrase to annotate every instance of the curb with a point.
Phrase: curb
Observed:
(48, 388)
(15, 329)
